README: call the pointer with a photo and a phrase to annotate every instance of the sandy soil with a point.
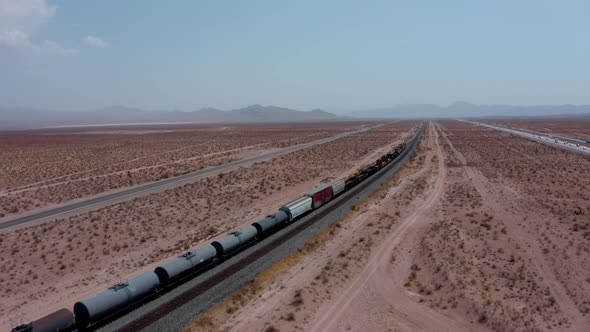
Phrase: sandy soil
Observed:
(481, 231)
(377, 290)
(40, 168)
(512, 240)
(46, 267)
(329, 287)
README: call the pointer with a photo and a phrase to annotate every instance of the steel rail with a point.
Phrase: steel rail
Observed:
(266, 247)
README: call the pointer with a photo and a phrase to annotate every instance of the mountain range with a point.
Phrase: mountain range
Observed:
(27, 118)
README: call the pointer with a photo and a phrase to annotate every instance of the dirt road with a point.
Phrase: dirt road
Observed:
(357, 280)
(379, 286)
(540, 263)
(480, 231)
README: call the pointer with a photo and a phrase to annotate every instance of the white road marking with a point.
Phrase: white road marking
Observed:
(545, 139)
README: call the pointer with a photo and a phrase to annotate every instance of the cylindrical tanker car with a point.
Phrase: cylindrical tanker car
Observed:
(61, 320)
(270, 222)
(125, 295)
(116, 298)
(190, 261)
(235, 240)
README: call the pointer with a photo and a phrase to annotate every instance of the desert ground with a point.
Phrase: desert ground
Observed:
(480, 231)
(49, 266)
(578, 128)
(53, 166)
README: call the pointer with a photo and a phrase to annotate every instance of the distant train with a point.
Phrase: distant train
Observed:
(120, 297)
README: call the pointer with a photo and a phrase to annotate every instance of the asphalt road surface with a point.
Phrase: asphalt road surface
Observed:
(542, 138)
(538, 133)
(144, 189)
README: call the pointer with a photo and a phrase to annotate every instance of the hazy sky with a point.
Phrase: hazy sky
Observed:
(337, 55)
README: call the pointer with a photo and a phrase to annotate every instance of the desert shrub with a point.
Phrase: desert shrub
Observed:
(290, 317)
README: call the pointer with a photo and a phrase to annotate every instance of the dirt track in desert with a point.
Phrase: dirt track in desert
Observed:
(378, 285)
(481, 231)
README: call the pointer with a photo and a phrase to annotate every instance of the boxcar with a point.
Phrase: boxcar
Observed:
(297, 207)
(320, 195)
(338, 186)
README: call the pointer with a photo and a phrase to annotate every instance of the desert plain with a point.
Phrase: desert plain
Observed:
(51, 166)
(51, 265)
(481, 230)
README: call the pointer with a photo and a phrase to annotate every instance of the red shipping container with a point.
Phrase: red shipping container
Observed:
(320, 195)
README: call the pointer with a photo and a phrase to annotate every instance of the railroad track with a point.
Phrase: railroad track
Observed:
(262, 248)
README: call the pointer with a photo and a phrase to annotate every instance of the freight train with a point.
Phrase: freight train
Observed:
(120, 297)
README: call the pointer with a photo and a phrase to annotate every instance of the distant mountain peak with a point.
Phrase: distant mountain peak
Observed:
(119, 108)
(318, 110)
(23, 118)
(461, 105)
(209, 110)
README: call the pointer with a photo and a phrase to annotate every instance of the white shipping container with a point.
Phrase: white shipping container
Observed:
(338, 186)
(297, 207)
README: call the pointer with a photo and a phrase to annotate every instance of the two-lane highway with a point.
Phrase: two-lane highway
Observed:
(538, 133)
(98, 201)
(541, 138)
